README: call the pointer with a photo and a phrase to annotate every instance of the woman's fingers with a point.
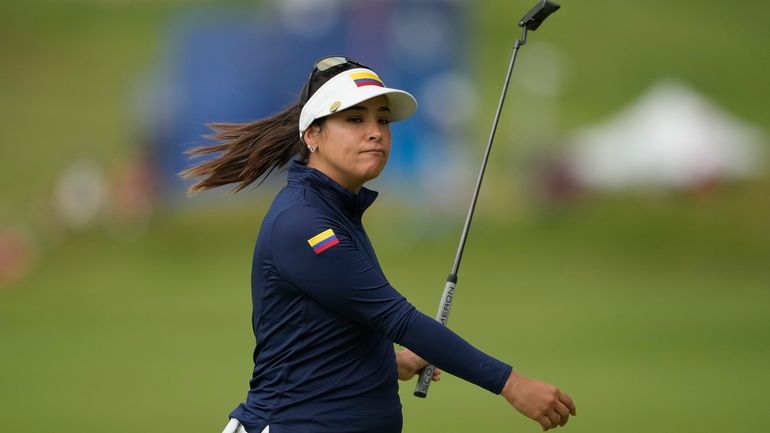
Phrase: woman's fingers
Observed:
(557, 417)
(545, 422)
(552, 420)
(567, 400)
(563, 411)
(436, 375)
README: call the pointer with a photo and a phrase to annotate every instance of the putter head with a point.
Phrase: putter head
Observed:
(538, 14)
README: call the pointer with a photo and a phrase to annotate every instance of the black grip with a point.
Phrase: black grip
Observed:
(423, 383)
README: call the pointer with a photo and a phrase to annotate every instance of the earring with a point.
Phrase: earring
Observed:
(311, 148)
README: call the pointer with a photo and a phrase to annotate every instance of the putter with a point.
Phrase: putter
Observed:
(530, 21)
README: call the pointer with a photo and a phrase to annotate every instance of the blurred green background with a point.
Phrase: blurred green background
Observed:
(651, 309)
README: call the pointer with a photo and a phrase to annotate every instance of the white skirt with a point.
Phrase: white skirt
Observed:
(234, 426)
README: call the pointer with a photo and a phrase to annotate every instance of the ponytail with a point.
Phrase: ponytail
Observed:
(248, 151)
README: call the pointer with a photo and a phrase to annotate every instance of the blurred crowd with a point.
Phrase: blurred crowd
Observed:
(85, 195)
(234, 64)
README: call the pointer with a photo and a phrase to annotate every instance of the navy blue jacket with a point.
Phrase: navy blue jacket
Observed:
(325, 319)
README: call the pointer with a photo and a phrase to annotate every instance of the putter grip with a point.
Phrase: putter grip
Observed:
(442, 316)
(421, 390)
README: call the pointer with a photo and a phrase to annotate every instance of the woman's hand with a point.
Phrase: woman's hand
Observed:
(409, 364)
(539, 401)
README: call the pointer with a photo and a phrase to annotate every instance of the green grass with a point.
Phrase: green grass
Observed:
(650, 313)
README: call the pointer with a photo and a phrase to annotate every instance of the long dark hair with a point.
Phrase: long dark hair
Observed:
(249, 151)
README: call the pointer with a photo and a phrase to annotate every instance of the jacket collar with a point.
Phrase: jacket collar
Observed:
(334, 193)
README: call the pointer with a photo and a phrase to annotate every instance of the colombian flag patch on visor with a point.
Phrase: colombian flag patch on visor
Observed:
(323, 241)
(366, 79)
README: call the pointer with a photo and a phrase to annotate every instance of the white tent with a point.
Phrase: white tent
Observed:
(670, 137)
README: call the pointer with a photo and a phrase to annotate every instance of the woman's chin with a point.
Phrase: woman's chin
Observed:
(373, 169)
(373, 172)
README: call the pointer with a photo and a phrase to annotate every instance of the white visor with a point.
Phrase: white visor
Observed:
(350, 88)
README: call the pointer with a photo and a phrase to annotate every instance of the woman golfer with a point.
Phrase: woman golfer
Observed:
(325, 317)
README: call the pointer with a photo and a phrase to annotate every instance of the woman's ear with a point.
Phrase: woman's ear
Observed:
(311, 135)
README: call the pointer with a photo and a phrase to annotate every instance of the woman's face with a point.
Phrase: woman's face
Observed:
(352, 146)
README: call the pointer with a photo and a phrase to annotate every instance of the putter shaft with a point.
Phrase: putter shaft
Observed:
(445, 305)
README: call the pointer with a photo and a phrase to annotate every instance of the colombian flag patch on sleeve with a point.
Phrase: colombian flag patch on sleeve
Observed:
(323, 241)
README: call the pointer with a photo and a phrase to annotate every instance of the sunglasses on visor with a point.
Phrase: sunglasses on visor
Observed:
(324, 69)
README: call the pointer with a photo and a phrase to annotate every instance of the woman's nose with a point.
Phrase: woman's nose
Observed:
(375, 134)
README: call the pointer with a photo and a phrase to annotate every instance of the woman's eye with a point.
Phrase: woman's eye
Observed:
(384, 121)
(355, 119)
